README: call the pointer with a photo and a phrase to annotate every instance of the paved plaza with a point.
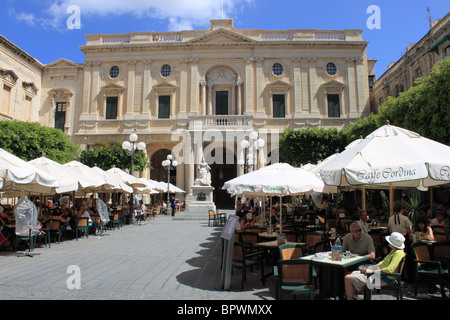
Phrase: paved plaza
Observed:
(163, 259)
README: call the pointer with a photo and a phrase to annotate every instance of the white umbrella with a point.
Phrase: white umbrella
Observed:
(276, 179)
(94, 182)
(67, 181)
(390, 157)
(149, 188)
(17, 174)
(127, 178)
(114, 180)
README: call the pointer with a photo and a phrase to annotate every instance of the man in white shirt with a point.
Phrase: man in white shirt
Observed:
(363, 221)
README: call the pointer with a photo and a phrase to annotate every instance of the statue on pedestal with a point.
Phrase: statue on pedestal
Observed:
(203, 174)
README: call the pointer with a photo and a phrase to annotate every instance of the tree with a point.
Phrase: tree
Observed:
(107, 157)
(28, 140)
(303, 146)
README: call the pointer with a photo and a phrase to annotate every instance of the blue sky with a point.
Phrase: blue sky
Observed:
(40, 26)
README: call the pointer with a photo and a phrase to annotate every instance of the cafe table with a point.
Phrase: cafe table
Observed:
(273, 247)
(331, 273)
(268, 236)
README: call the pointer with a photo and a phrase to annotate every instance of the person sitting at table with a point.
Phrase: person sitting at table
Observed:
(363, 221)
(358, 242)
(439, 219)
(357, 280)
(275, 216)
(422, 231)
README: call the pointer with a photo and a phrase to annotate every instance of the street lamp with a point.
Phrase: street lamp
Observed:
(169, 164)
(131, 147)
(252, 145)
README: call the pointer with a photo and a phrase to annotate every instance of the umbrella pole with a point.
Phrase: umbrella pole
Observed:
(270, 215)
(391, 199)
(364, 198)
(281, 214)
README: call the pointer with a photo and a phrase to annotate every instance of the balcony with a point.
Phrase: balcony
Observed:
(220, 122)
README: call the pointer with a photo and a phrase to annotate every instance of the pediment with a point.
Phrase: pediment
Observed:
(62, 63)
(333, 84)
(164, 85)
(278, 83)
(112, 87)
(221, 36)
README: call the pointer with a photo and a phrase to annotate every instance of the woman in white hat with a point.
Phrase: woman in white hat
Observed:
(357, 280)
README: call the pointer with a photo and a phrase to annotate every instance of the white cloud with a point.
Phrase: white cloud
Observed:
(177, 14)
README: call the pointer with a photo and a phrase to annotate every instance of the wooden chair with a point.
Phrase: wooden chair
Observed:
(82, 225)
(56, 229)
(212, 217)
(294, 277)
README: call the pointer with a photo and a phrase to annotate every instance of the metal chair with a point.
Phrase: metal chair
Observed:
(294, 277)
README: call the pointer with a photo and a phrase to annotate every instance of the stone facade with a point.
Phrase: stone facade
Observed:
(417, 62)
(179, 91)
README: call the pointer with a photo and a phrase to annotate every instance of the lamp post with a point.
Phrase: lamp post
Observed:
(252, 145)
(169, 164)
(131, 147)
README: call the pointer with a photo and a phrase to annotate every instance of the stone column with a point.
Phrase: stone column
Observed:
(313, 86)
(259, 87)
(361, 84)
(130, 87)
(249, 107)
(233, 99)
(94, 106)
(306, 109)
(147, 87)
(210, 99)
(183, 86)
(239, 97)
(203, 86)
(193, 108)
(297, 89)
(351, 87)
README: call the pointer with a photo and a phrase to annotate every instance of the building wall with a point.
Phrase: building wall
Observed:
(20, 83)
(418, 61)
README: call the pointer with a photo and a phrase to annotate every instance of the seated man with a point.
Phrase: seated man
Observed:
(363, 221)
(357, 280)
(358, 242)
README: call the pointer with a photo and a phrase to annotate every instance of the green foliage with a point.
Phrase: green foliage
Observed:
(29, 140)
(362, 127)
(415, 208)
(107, 157)
(304, 146)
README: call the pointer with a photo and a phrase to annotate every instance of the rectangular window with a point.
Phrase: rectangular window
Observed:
(60, 115)
(6, 94)
(164, 107)
(111, 107)
(371, 82)
(334, 109)
(221, 102)
(279, 105)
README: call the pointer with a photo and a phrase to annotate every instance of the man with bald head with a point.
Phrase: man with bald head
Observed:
(358, 242)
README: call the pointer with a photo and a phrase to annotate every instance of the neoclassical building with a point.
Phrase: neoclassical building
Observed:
(195, 94)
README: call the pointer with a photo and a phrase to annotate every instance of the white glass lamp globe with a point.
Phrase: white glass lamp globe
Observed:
(126, 145)
(141, 146)
(175, 163)
(133, 137)
(244, 144)
(261, 143)
(254, 135)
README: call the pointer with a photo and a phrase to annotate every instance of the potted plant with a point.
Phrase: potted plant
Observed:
(415, 207)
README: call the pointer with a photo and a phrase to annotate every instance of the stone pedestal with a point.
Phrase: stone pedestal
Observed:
(200, 202)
